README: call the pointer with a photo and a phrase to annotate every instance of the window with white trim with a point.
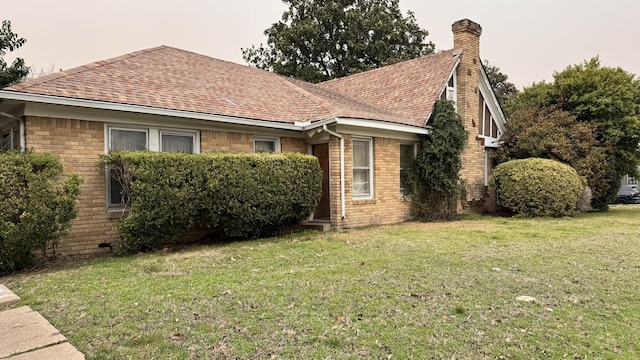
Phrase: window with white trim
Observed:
(132, 139)
(9, 139)
(269, 145)
(488, 125)
(407, 156)
(177, 142)
(122, 139)
(362, 168)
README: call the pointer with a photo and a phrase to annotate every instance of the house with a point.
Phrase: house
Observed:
(164, 99)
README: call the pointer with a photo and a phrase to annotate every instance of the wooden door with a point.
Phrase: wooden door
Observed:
(323, 211)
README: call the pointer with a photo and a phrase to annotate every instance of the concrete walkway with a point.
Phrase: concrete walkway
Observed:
(26, 335)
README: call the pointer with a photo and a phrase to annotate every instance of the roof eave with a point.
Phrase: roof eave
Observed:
(102, 105)
(297, 126)
(371, 124)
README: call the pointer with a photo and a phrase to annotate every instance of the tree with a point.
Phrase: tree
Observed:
(318, 40)
(502, 88)
(10, 41)
(607, 98)
(555, 134)
(438, 164)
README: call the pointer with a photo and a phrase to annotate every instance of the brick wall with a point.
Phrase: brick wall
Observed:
(387, 205)
(227, 141)
(243, 142)
(79, 144)
(294, 145)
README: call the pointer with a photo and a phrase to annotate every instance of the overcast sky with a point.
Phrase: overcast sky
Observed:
(527, 39)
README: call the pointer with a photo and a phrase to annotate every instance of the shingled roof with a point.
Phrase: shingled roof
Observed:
(170, 78)
(409, 88)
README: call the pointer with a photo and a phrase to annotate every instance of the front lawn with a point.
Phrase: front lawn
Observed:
(443, 290)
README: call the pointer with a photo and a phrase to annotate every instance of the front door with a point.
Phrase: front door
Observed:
(323, 211)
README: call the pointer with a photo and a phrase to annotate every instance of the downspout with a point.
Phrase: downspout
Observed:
(23, 136)
(486, 167)
(342, 193)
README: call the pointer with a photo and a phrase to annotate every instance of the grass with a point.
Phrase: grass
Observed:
(409, 291)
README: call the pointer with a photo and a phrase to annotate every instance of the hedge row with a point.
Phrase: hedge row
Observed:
(37, 205)
(540, 187)
(243, 195)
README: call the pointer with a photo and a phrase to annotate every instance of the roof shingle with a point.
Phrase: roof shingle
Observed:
(170, 78)
(409, 88)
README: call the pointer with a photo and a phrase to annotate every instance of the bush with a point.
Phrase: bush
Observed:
(539, 187)
(36, 207)
(243, 195)
(552, 133)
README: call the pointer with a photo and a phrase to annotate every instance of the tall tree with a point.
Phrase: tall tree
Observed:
(607, 98)
(318, 40)
(502, 88)
(10, 41)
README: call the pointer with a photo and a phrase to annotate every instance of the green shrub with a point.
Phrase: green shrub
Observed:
(539, 187)
(37, 205)
(243, 195)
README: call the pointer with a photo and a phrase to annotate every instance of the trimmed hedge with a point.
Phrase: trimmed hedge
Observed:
(243, 195)
(539, 187)
(37, 204)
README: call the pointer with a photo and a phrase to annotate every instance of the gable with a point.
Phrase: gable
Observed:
(409, 88)
(490, 110)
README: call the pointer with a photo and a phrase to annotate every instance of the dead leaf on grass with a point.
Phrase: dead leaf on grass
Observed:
(178, 336)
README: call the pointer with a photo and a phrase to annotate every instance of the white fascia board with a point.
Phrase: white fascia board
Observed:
(368, 124)
(491, 100)
(490, 142)
(383, 125)
(308, 125)
(48, 99)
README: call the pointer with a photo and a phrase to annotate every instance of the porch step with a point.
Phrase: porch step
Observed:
(319, 225)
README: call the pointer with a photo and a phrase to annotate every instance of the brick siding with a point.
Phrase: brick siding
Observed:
(79, 145)
(387, 205)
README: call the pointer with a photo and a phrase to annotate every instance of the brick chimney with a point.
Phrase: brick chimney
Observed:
(466, 38)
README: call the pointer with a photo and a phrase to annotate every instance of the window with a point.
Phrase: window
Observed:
(266, 145)
(362, 168)
(176, 142)
(488, 125)
(127, 139)
(122, 139)
(9, 139)
(153, 139)
(407, 156)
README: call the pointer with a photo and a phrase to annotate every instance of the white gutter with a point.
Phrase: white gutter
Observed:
(56, 100)
(368, 123)
(342, 192)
